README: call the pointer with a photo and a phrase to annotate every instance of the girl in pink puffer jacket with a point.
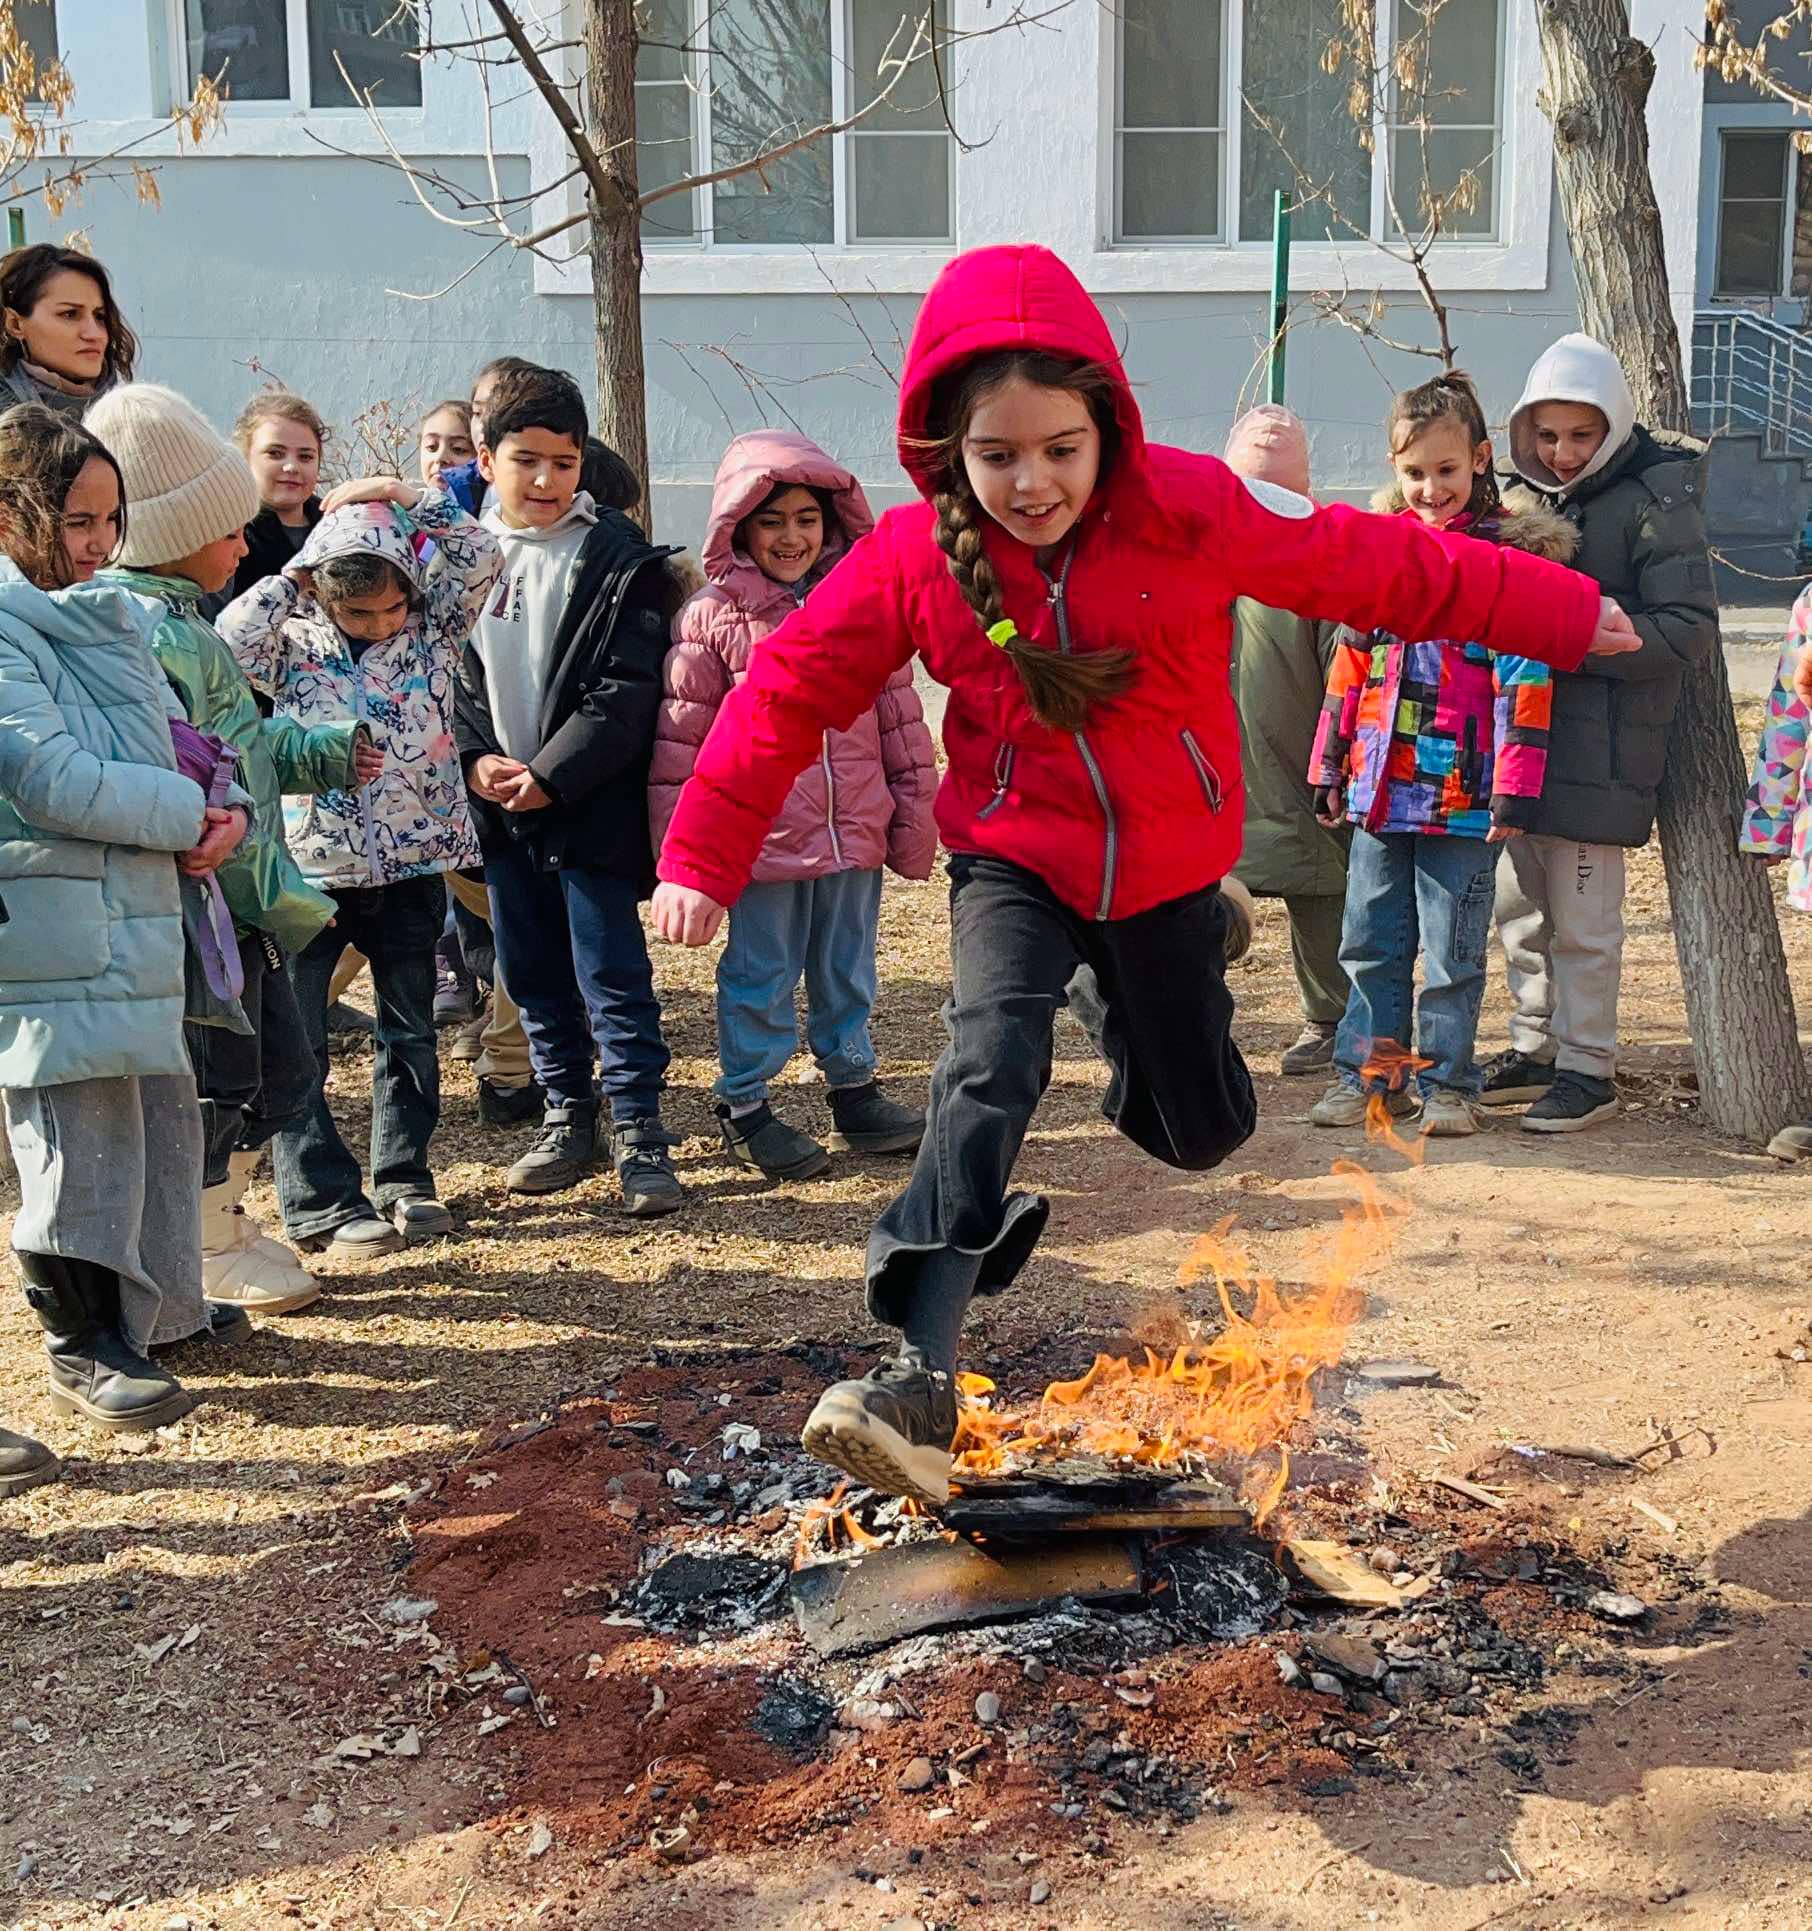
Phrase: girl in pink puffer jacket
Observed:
(782, 514)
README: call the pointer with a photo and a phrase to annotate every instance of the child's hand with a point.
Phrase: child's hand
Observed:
(685, 917)
(367, 761)
(1502, 834)
(494, 778)
(222, 829)
(1615, 633)
(1330, 806)
(371, 489)
(525, 794)
(1802, 676)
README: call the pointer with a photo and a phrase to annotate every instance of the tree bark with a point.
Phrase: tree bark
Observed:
(616, 238)
(1739, 1002)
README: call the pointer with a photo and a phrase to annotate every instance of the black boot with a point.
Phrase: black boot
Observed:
(563, 1153)
(867, 1121)
(24, 1463)
(228, 1324)
(510, 1105)
(639, 1150)
(94, 1372)
(774, 1149)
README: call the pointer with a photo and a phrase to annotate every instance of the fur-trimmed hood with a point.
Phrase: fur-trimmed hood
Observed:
(1522, 521)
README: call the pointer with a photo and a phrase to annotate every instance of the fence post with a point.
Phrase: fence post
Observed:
(1280, 296)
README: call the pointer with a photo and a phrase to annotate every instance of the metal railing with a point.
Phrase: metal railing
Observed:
(1752, 375)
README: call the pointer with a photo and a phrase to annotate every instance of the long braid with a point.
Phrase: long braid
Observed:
(1061, 690)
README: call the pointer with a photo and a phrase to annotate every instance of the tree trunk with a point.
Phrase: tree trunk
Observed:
(616, 238)
(1739, 1003)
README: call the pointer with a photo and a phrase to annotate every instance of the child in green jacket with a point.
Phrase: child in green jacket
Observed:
(191, 495)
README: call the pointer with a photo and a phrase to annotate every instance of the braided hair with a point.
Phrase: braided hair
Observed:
(1449, 397)
(1062, 689)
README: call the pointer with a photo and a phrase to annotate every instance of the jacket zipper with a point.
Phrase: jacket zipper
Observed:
(1003, 778)
(830, 780)
(1110, 863)
(1209, 778)
(364, 790)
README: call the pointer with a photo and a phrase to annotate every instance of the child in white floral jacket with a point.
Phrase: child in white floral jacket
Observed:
(357, 628)
(1777, 820)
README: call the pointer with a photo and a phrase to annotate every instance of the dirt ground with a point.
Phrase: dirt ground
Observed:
(211, 1716)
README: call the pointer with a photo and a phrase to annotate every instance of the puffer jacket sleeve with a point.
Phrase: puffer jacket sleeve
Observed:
(251, 627)
(819, 671)
(1777, 786)
(58, 786)
(1521, 712)
(1374, 571)
(310, 758)
(1350, 665)
(1675, 609)
(466, 563)
(695, 680)
(910, 765)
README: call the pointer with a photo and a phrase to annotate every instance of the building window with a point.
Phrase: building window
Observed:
(1222, 102)
(719, 82)
(1752, 213)
(35, 22)
(289, 52)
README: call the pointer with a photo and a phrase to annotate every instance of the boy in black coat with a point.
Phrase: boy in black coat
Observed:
(555, 723)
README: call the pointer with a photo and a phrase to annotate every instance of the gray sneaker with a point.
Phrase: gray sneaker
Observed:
(639, 1150)
(1447, 1115)
(769, 1145)
(1312, 1050)
(564, 1152)
(892, 1429)
(1346, 1105)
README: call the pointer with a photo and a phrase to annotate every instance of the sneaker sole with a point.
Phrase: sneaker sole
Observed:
(1608, 1111)
(30, 1478)
(1515, 1095)
(349, 1249)
(419, 1233)
(843, 1433)
(1449, 1129)
(277, 1304)
(173, 1407)
(905, 1140)
(1306, 1070)
(652, 1206)
(533, 1183)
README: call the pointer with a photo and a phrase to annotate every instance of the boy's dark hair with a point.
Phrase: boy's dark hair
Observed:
(540, 399)
(41, 455)
(1448, 397)
(606, 478)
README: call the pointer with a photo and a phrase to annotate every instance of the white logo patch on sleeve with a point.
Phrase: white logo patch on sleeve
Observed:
(1278, 500)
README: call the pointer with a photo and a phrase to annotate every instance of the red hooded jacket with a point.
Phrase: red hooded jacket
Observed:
(1145, 804)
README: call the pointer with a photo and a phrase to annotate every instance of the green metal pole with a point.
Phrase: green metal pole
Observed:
(15, 227)
(1280, 295)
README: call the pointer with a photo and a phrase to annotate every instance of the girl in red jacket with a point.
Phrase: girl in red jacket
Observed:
(1071, 585)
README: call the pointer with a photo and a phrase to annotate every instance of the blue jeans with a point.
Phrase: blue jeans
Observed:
(570, 949)
(824, 930)
(1404, 893)
(318, 1180)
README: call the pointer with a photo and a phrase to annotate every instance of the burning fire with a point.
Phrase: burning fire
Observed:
(1215, 1399)
(835, 1521)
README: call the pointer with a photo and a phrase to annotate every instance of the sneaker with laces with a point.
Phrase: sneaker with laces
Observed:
(455, 995)
(1344, 1104)
(1311, 1051)
(865, 1120)
(1574, 1102)
(638, 1149)
(891, 1429)
(1448, 1114)
(563, 1153)
(766, 1143)
(1514, 1079)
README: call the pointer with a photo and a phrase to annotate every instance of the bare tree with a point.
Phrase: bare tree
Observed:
(1754, 61)
(40, 134)
(592, 101)
(1739, 1003)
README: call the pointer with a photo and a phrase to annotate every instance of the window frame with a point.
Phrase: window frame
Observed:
(697, 81)
(297, 101)
(1384, 127)
(1783, 257)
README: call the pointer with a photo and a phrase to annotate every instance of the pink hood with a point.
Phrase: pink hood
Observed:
(753, 467)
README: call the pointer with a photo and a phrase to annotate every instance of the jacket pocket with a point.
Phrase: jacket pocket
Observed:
(1206, 775)
(56, 928)
(1003, 780)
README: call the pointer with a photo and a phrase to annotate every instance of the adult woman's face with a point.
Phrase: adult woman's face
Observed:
(65, 329)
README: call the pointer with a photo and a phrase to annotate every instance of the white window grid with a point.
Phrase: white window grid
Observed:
(697, 82)
(1384, 125)
(295, 22)
(1783, 263)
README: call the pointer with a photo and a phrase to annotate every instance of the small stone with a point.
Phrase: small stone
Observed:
(1040, 1892)
(1351, 1655)
(884, 1885)
(1615, 1608)
(1465, 1706)
(1288, 1668)
(1386, 1562)
(1326, 1684)
(918, 1775)
(1035, 1671)
(1396, 1374)
(519, 1694)
(22, 1726)
(987, 1707)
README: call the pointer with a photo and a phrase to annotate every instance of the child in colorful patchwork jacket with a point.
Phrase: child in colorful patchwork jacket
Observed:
(1777, 818)
(358, 628)
(1434, 752)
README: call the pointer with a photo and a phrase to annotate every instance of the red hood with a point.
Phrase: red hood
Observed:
(1007, 298)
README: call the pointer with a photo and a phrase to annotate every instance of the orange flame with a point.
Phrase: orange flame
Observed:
(828, 1514)
(1232, 1396)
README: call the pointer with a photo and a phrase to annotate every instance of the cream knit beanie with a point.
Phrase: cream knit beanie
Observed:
(185, 486)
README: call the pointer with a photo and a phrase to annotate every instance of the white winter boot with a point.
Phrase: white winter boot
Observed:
(240, 1265)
